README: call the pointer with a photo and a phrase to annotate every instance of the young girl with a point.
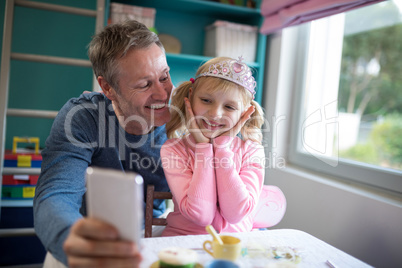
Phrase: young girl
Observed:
(215, 177)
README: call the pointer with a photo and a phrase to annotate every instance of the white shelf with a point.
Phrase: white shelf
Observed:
(21, 171)
(16, 203)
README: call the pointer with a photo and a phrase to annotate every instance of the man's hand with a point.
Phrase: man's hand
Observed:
(94, 243)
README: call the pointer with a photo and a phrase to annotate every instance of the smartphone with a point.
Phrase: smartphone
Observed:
(116, 197)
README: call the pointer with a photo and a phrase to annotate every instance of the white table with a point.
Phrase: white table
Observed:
(313, 252)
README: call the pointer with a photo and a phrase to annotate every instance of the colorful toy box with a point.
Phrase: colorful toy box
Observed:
(23, 157)
(17, 192)
(20, 179)
(21, 186)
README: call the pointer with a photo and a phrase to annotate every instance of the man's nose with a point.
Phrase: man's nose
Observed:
(162, 90)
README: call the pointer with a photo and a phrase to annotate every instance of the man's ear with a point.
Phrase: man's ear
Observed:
(106, 88)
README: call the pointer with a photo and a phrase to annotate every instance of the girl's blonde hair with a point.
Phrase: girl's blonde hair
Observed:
(177, 126)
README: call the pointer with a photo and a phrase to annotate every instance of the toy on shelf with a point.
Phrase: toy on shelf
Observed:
(19, 157)
(20, 184)
(18, 179)
(17, 192)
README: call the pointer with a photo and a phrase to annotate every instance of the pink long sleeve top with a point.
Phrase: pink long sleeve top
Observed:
(217, 184)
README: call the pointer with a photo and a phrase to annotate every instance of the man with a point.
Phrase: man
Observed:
(123, 128)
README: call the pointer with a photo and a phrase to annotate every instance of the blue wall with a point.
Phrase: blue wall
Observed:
(40, 85)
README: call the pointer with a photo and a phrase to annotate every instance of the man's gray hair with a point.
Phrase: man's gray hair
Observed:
(113, 43)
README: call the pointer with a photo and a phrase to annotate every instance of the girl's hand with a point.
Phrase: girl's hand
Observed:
(192, 125)
(243, 119)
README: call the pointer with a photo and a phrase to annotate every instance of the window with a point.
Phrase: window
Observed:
(348, 103)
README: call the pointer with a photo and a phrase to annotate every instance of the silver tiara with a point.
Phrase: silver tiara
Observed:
(235, 71)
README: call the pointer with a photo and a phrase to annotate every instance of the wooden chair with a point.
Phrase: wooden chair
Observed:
(149, 219)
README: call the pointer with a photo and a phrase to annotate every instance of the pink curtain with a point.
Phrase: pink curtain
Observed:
(279, 14)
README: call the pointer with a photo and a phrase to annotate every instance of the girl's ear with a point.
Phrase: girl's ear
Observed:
(190, 93)
(106, 88)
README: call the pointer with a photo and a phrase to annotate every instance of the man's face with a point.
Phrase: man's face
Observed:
(144, 90)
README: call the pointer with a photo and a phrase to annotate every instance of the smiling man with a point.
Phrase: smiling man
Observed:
(109, 129)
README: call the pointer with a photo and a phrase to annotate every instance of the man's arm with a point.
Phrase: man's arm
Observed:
(61, 185)
(59, 196)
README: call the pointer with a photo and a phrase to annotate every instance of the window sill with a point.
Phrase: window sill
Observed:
(330, 181)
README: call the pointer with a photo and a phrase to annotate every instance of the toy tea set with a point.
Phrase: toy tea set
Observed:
(226, 251)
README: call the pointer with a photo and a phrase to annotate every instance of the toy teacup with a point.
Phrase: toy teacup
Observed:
(229, 250)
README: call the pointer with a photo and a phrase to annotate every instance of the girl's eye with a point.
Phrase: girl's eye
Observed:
(230, 107)
(205, 100)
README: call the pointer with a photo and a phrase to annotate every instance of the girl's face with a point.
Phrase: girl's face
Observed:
(216, 111)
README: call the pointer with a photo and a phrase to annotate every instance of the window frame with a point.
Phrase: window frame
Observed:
(344, 169)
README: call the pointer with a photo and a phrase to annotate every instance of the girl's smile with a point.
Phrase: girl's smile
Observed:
(212, 125)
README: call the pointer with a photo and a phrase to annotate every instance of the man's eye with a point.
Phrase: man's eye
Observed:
(165, 78)
(144, 86)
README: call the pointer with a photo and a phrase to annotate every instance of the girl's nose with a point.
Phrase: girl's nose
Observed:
(216, 112)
